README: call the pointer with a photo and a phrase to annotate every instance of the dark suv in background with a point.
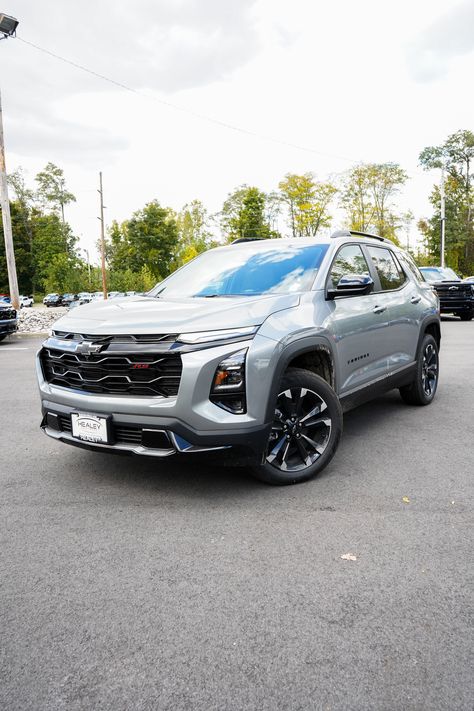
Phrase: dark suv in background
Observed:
(8, 319)
(455, 296)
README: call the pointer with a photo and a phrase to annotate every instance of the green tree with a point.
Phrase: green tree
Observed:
(23, 252)
(194, 234)
(51, 237)
(52, 191)
(308, 203)
(456, 156)
(455, 252)
(244, 215)
(368, 198)
(149, 238)
(65, 273)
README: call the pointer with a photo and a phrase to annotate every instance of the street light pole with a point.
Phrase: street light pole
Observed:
(7, 222)
(443, 216)
(102, 237)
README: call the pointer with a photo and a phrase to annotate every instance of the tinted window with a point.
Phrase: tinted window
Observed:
(349, 262)
(409, 264)
(390, 273)
(246, 270)
(434, 274)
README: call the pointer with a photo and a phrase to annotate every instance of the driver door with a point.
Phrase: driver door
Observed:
(359, 324)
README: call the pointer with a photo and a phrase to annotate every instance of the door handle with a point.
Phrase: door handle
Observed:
(415, 299)
(379, 309)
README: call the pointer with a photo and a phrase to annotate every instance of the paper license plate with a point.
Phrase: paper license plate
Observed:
(90, 428)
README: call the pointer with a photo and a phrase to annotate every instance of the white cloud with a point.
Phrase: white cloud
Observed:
(447, 38)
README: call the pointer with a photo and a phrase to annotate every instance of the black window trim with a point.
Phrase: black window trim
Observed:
(372, 271)
(377, 281)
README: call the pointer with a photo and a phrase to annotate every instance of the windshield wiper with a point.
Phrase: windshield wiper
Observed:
(221, 296)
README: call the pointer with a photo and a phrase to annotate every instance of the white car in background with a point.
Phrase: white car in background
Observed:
(26, 302)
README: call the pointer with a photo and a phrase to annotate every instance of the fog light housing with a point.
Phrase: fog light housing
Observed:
(228, 387)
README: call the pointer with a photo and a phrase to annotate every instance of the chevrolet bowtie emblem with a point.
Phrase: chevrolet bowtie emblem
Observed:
(88, 348)
(453, 288)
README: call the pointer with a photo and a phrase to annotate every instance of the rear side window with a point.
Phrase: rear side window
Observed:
(389, 271)
(350, 261)
(408, 262)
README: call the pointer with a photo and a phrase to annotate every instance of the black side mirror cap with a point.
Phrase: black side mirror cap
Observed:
(352, 285)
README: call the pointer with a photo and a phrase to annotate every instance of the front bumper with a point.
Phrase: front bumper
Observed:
(189, 421)
(9, 326)
(457, 305)
(155, 437)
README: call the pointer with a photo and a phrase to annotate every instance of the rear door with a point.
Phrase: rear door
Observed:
(404, 304)
(359, 324)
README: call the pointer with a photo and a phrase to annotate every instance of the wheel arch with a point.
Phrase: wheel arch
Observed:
(433, 327)
(314, 354)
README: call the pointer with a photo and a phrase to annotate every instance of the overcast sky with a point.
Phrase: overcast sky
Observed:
(352, 81)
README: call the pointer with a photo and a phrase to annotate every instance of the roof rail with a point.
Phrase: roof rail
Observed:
(349, 233)
(246, 239)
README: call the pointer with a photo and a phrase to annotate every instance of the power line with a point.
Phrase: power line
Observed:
(183, 109)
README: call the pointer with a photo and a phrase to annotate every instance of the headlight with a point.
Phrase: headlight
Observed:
(233, 334)
(228, 387)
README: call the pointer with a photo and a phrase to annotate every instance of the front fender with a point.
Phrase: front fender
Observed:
(288, 352)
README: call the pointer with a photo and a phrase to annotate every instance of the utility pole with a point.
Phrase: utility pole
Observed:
(86, 252)
(102, 237)
(443, 216)
(7, 222)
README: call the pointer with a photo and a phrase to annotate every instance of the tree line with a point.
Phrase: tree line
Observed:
(155, 240)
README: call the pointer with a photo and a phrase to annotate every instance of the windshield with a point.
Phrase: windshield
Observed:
(433, 274)
(246, 270)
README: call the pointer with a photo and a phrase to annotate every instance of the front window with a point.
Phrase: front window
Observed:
(246, 270)
(434, 274)
(350, 263)
(389, 272)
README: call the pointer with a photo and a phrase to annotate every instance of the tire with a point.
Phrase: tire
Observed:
(3, 336)
(466, 317)
(297, 451)
(423, 388)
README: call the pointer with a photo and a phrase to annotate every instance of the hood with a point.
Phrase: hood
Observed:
(142, 314)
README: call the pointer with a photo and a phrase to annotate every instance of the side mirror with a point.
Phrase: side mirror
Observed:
(352, 285)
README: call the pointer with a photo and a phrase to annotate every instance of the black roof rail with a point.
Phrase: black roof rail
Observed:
(246, 239)
(349, 233)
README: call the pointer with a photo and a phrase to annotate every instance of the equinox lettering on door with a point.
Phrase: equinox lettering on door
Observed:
(361, 357)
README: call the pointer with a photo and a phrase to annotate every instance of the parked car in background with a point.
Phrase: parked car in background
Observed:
(5, 298)
(257, 346)
(84, 297)
(455, 296)
(97, 295)
(8, 319)
(52, 300)
(116, 294)
(26, 302)
(67, 299)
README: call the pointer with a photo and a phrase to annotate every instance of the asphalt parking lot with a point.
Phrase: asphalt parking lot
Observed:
(129, 583)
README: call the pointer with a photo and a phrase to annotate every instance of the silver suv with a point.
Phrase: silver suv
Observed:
(258, 346)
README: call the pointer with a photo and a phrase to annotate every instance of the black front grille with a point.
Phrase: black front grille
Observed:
(459, 292)
(134, 374)
(7, 314)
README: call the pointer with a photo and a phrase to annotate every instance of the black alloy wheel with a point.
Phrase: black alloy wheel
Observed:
(305, 431)
(300, 431)
(429, 370)
(423, 388)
